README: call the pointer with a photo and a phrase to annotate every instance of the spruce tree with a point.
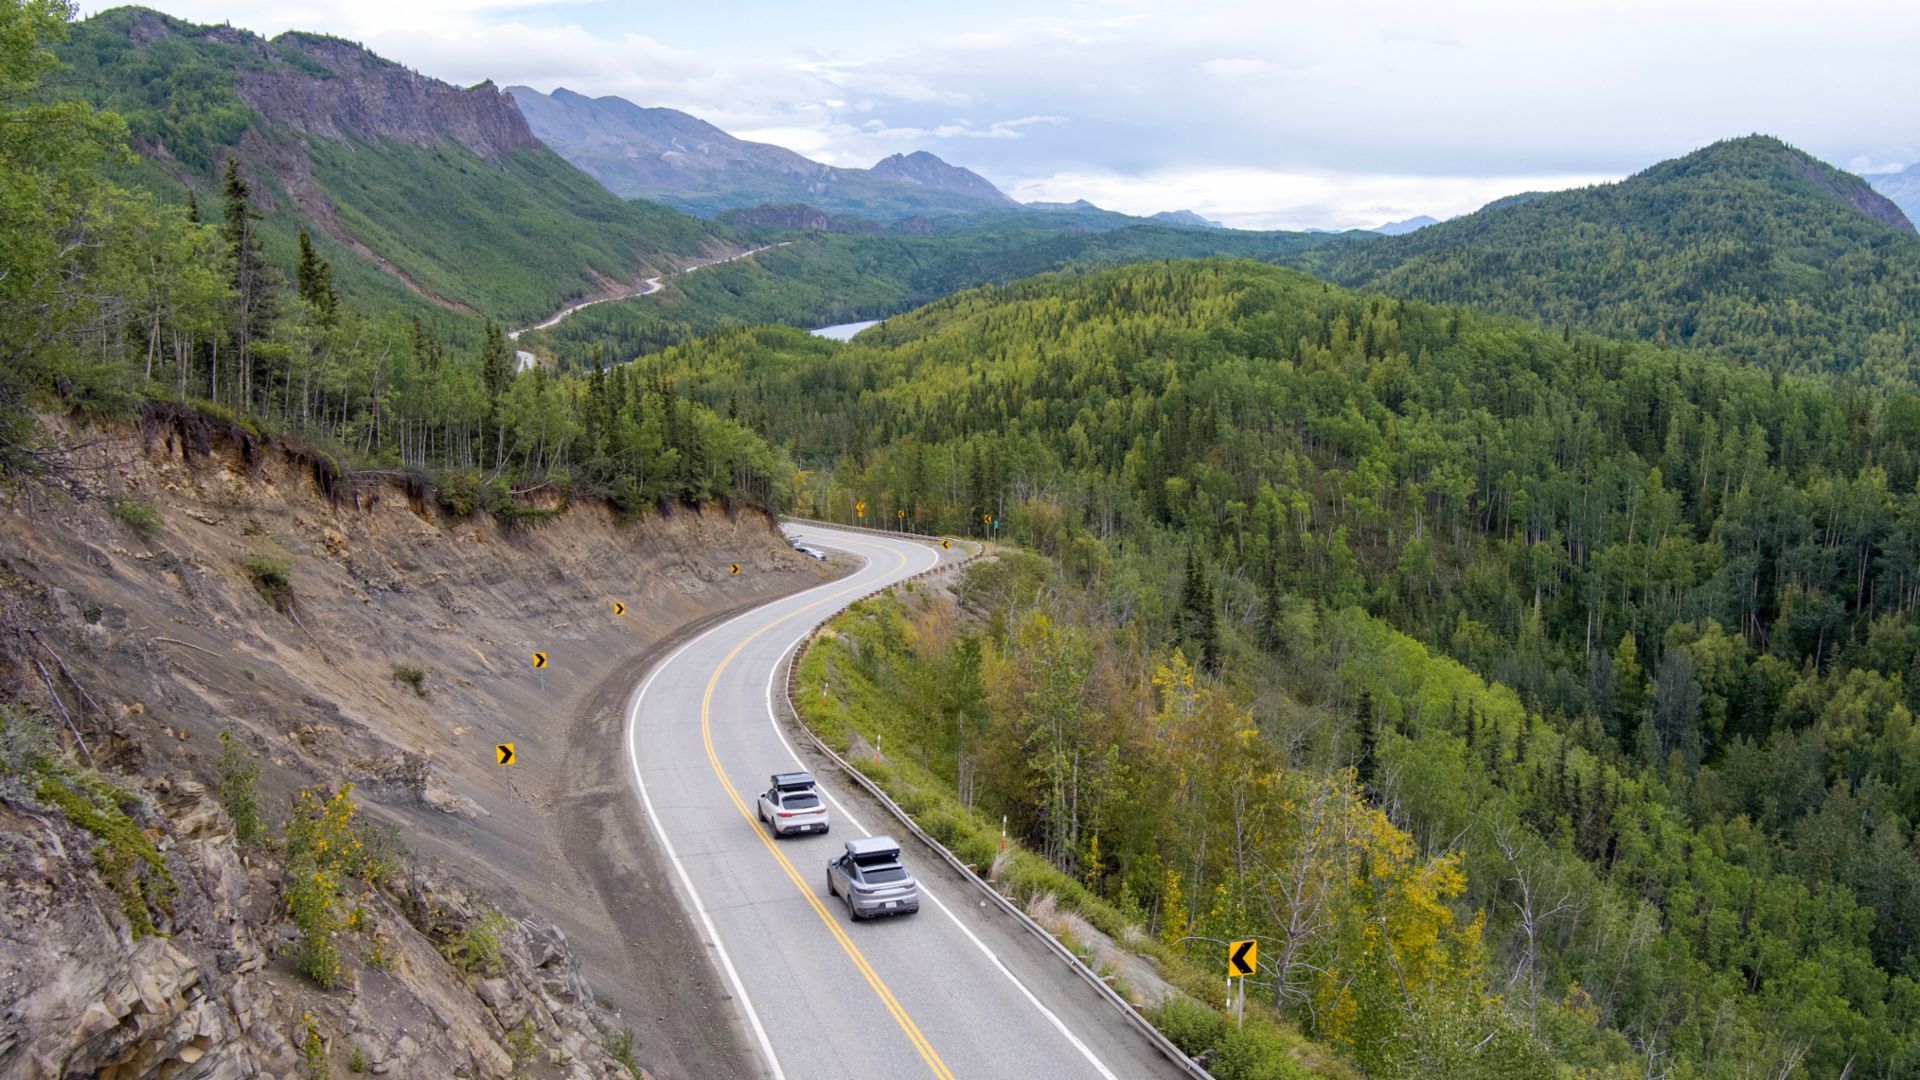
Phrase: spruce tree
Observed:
(254, 281)
(314, 279)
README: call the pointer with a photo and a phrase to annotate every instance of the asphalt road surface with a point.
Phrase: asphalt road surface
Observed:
(957, 990)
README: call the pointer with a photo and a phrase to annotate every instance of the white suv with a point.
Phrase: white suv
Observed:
(793, 805)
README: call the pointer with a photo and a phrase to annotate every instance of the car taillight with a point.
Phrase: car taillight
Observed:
(787, 813)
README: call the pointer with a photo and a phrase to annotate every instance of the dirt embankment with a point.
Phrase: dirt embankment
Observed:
(154, 646)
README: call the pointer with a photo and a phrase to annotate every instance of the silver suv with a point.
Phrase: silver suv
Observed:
(792, 805)
(870, 878)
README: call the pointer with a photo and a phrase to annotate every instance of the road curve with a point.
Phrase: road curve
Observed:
(955, 991)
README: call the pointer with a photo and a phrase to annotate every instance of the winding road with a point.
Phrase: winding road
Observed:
(524, 360)
(958, 990)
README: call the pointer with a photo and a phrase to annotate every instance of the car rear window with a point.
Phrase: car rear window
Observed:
(880, 875)
(800, 800)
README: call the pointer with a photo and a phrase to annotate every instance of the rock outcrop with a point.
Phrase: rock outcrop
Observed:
(367, 98)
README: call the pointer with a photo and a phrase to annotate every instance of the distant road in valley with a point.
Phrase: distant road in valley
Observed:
(648, 288)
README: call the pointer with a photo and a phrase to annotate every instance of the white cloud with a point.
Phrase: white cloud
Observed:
(1275, 199)
(1414, 107)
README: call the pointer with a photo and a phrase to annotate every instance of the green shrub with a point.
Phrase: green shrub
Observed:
(523, 1044)
(1189, 1025)
(461, 494)
(239, 789)
(624, 1050)
(269, 575)
(324, 848)
(313, 1052)
(477, 949)
(411, 676)
(141, 517)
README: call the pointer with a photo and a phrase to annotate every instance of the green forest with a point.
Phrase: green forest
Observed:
(117, 303)
(1624, 635)
(1748, 247)
(1544, 701)
(819, 278)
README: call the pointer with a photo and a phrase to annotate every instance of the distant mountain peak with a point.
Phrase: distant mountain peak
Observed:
(1412, 224)
(1186, 218)
(679, 159)
(1773, 161)
(927, 169)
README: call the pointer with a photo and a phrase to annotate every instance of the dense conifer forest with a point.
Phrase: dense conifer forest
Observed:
(1620, 639)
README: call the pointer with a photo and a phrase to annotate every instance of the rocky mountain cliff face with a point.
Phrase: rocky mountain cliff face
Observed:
(369, 98)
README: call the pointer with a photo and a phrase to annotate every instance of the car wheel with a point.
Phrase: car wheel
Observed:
(831, 891)
(852, 914)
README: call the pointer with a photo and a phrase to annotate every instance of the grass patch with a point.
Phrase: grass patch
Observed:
(271, 578)
(140, 517)
(126, 857)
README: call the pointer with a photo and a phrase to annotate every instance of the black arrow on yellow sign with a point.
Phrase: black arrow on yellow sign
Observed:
(733, 568)
(1243, 957)
(504, 751)
(539, 661)
(619, 609)
(946, 543)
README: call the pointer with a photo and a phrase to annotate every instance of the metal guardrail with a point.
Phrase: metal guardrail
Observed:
(1160, 1042)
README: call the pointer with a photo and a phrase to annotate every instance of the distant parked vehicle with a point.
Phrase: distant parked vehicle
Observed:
(872, 880)
(793, 805)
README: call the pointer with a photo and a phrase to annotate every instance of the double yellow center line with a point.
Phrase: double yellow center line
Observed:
(831, 921)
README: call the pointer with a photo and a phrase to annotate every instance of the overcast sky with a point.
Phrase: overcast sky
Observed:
(1258, 114)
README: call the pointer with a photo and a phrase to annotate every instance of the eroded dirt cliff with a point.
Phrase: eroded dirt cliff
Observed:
(342, 633)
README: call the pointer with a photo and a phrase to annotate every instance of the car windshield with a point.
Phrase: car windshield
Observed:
(880, 875)
(800, 800)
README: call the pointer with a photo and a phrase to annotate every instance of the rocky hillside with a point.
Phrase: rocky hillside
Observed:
(219, 615)
(368, 98)
(683, 161)
(424, 196)
(927, 170)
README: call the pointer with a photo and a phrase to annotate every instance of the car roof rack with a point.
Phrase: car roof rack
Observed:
(792, 781)
(868, 846)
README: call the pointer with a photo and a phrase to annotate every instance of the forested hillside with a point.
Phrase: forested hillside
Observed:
(1624, 637)
(116, 301)
(819, 278)
(1748, 247)
(425, 197)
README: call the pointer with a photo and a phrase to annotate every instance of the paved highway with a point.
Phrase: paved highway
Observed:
(957, 990)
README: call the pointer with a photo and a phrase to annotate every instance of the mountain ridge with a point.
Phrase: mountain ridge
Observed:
(683, 161)
(424, 195)
(1735, 247)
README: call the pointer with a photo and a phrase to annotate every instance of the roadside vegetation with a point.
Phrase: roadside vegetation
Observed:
(1622, 640)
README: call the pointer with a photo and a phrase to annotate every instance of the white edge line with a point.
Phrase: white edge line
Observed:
(659, 830)
(773, 719)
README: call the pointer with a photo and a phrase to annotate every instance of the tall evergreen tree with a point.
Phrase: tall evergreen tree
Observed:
(255, 283)
(314, 279)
